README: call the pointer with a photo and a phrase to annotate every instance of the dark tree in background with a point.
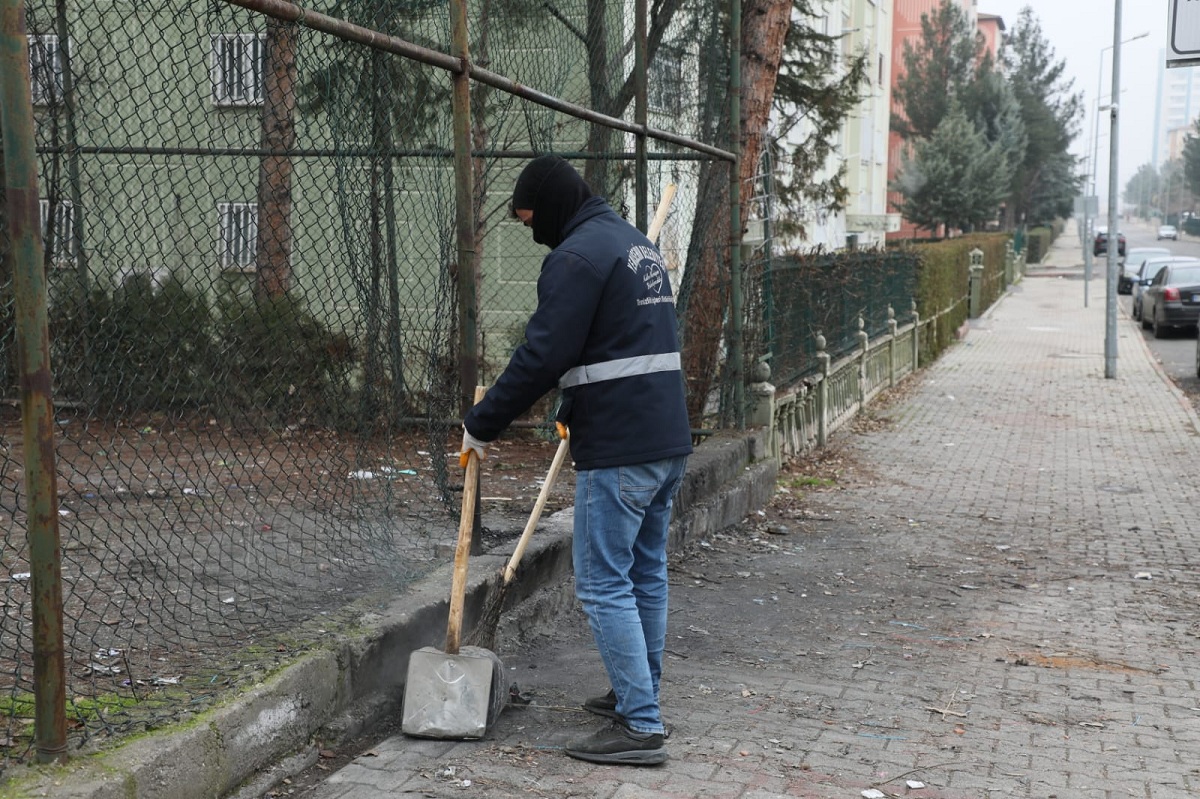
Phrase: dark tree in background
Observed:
(1046, 183)
(1191, 161)
(1024, 108)
(1142, 190)
(990, 103)
(953, 178)
(936, 71)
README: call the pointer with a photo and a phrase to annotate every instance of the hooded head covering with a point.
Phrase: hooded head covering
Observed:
(554, 191)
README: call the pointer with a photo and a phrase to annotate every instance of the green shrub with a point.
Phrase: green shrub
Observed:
(140, 347)
(280, 363)
(943, 284)
(144, 347)
(1038, 241)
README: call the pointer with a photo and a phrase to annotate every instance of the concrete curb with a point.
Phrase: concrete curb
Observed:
(347, 688)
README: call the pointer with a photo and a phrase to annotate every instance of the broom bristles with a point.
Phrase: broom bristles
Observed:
(484, 632)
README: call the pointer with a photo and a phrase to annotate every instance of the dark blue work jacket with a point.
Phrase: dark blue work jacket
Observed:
(605, 332)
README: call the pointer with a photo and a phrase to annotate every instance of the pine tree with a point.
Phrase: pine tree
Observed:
(936, 72)
(955, 177)
(1046, 183)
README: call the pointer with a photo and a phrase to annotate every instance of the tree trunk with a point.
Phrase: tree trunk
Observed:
(273, 255)
(598, 171)
(764, 28)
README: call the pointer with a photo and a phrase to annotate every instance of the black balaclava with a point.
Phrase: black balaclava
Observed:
(554, 191)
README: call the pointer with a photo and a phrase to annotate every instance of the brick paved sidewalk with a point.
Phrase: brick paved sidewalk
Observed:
(998, 600)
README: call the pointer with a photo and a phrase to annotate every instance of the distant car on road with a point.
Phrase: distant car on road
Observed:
(1100, 243)
(1134, 259)
(1168, 232)
(1172, 300)
(1146, 273)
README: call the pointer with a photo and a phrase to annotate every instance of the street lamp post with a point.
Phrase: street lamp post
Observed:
(1114, 235)
(1112, 98)
(1087, 218)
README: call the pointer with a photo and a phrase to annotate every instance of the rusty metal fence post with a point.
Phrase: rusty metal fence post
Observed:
(37, 412)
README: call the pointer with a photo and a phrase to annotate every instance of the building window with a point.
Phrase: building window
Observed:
(58, 239)
(238, 234)
(45, 69)
(237, 69)
(664, 81)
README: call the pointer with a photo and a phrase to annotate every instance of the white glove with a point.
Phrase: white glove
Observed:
(471, 444)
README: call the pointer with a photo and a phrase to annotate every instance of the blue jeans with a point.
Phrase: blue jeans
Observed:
(620, 552)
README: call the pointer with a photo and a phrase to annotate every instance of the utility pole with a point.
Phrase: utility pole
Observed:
(1114, 233)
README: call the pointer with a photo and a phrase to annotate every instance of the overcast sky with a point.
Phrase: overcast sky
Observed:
(1078, 30)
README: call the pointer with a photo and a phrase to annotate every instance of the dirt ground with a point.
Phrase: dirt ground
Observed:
(195, 556)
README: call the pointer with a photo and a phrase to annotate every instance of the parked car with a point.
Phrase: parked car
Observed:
(1172, 300)
(1168, 232)
(1100, 243)
(1133, 262)
(1146, 273)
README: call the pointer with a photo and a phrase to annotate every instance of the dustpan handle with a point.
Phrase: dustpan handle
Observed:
(462, 552)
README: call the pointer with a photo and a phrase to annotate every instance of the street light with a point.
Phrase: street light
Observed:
(1087, 215)
(1099, 89)
(1114, 233)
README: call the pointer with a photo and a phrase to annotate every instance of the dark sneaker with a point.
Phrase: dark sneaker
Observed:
(607, 706)
(603, 705)
(620, 746)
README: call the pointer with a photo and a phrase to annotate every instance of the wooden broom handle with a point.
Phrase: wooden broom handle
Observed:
(462, 552)
(560, 455)
(660, 216)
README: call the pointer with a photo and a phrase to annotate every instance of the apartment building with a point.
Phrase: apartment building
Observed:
(1175, 110)
(907, 29)
(862, 145)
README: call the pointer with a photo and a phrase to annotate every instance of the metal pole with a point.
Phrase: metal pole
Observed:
(1114, 234)
(736, 367)
(639, 116)
(37, 411)
(464, 212)
(348, 31)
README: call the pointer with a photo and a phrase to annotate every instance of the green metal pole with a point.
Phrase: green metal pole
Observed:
(464, 212)
(736, 355)
(641, 201)
(37, 412)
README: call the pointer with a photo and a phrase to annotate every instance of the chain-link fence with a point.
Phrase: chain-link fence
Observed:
(250, 243)
(794, 298)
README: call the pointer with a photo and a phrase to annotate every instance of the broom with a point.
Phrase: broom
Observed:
(484, 633)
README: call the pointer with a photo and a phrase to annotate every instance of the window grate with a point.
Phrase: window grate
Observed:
(238, 235)
(237, 69)
(58, 239)
(45, 69)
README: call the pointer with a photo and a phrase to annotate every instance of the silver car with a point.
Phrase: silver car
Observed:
(1145, 274)
(1133, 262)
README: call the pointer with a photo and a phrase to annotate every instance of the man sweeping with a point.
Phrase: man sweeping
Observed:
(605, 333)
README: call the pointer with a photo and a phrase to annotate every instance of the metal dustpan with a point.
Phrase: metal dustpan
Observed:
(456, 693)
(453, 696)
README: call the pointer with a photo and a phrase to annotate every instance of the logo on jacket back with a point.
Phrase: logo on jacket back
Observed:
(647, 263)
